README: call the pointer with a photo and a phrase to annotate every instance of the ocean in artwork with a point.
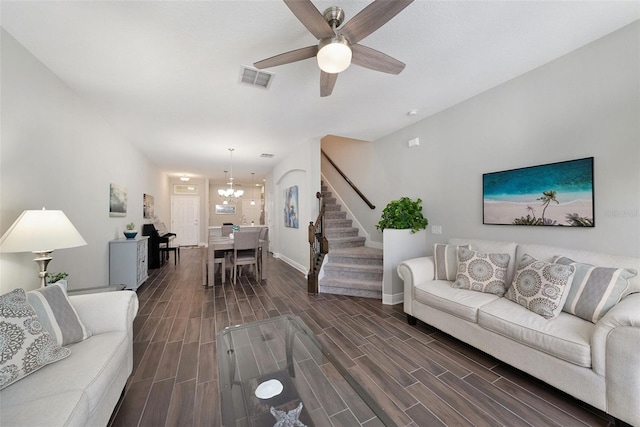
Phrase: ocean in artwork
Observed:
(552, 194)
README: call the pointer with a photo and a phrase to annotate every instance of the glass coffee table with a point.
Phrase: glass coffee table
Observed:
(275, 371)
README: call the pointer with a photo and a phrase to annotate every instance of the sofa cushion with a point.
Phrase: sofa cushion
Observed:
(595, 290)
(56, 313)
(481, 272)
(25, 345)
(446, 261)
(458, 302)
(68, 408)
(566, 337)
(541, 286)
(92, 366)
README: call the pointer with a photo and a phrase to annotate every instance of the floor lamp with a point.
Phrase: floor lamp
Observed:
(41, 232)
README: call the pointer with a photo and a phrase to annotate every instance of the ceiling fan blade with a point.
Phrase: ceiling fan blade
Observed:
(288, 57)
(327, 82)
(375, 60)
(371, 18)
(310, 17)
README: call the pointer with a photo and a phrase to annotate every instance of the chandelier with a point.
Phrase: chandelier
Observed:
(229, 194)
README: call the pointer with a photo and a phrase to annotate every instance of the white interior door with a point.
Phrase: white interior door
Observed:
(185, 220)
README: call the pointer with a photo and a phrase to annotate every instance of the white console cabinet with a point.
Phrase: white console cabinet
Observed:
(128, 262)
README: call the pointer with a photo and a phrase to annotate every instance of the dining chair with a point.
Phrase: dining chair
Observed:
(218, 258)
(245, 251)
(226, 230)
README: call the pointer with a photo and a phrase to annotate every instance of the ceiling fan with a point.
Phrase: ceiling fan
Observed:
(339, 47)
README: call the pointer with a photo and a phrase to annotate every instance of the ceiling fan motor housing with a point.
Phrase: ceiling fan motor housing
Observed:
(334, 16)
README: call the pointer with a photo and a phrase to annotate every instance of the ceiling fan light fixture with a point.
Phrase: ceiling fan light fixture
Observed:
(334, 54)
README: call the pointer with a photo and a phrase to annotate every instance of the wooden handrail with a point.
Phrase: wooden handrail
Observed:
(362, 196)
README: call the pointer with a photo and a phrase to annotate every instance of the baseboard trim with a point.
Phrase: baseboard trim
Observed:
(301, 268)
(393, 299)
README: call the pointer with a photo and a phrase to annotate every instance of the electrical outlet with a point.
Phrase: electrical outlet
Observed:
(436, 229)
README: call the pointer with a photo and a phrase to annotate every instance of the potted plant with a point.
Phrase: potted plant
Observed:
(130, 232)
(403, 237)
(403, 214)
(56, 277)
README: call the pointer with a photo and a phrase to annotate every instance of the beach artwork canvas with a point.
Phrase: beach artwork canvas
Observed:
(555, 194)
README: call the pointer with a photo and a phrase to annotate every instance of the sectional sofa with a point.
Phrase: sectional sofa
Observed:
(593, 355)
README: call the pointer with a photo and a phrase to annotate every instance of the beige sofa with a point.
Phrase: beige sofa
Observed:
(83, 388)
(596, 363)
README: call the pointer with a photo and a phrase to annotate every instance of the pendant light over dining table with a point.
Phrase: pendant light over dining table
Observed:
(229, 194)
(253, 202)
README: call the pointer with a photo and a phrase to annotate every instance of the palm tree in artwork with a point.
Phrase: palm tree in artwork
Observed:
(547, 198)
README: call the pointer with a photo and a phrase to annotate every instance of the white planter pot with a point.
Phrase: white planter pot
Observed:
(397, 246)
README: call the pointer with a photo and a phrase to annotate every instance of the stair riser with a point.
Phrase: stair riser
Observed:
(337, 223)
(350, 292)
(331, 273)
(337, 259)
(335, 215)
(340, 232)
(345, 244)
(333, 208)
(328, 200)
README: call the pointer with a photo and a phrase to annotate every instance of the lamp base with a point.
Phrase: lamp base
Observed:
(42, 259)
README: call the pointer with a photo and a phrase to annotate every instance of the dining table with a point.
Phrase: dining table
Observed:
(224, 243)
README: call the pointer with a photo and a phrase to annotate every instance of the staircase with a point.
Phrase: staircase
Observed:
(351, 268)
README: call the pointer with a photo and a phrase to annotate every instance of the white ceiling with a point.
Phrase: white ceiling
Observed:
(166, 73)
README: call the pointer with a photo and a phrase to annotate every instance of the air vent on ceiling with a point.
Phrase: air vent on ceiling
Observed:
(266, 155)
(254, 77)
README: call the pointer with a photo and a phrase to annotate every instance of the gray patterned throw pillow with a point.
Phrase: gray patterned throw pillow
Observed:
(445, 258)
(25, 345)
(541, 287)
(482, 272)
(53, 308)
(595, 290)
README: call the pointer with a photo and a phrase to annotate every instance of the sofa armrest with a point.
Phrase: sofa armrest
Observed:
(107, 311)
(616, 356)
(413, 271)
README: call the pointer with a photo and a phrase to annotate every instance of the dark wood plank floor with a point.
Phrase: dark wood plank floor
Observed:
(422, 376)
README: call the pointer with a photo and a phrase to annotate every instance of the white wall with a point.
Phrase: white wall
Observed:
(56, 151)
(584, 104)
(301, 168)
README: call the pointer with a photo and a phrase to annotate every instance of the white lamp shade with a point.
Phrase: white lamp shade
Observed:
(334, 57)
(41, 231)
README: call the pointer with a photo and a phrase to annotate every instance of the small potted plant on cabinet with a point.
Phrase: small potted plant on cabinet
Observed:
(130, 232)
